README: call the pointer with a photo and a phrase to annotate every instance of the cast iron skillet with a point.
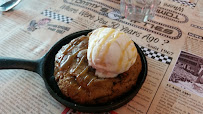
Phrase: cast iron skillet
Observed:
(45, 68)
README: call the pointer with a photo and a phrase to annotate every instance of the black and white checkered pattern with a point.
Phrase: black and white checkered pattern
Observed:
(185, 3)
(56, 16)
(156, 55)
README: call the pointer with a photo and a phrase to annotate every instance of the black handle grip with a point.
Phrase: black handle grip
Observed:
(13, 63)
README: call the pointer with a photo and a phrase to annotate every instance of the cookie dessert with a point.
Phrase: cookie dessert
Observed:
(97, 68)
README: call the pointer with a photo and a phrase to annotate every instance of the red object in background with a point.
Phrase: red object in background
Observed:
(65, 110)
(68, 110)
(112, 112)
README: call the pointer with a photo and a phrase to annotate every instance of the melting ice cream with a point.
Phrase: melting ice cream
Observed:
(110, 52)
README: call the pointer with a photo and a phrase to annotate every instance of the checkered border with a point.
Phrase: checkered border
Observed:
(56, 16)
(156, 55)
(186, 3)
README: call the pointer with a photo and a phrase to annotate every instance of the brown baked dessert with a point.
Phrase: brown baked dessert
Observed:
(77, 80)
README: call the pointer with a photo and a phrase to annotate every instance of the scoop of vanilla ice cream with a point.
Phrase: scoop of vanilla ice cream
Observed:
(110, 52)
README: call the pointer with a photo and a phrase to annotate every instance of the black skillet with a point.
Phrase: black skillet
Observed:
(45, 68)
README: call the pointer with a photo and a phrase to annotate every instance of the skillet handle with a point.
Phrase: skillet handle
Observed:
(13, 63)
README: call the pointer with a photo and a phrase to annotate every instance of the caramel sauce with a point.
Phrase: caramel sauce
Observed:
(108, 46)
(71, 60)
(103, 41)
(122, 55)
(68, 61)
